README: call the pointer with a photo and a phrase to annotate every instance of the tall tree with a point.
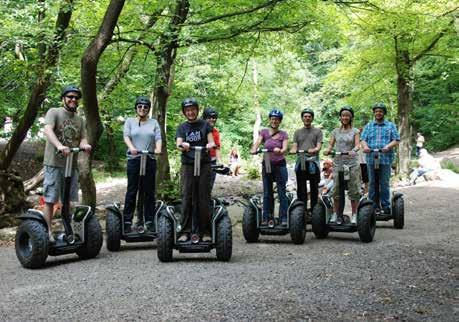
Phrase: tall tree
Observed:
(89, 63)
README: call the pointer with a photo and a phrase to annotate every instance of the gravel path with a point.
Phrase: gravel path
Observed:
(403, 275)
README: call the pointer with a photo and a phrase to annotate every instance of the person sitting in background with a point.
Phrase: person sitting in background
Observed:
(234, 163)
(426, 163)
(326, 183)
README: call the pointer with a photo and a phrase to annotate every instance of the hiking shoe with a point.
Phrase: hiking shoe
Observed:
(354, 219)
(127, 227)
(333, 218)
(150, 226)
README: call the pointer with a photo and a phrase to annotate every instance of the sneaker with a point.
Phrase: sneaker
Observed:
(354, 219)
(386, 211)
(264, 223)
(51, 239)
(284, 222)
(333, 218)
(184, 238)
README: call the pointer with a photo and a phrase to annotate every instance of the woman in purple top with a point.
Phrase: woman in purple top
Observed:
(276, 142)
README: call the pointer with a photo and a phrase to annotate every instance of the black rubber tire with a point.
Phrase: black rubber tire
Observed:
(224, 239)
(298, 225)
(165, 239)
(113, 230)
(319, 224)
(398, 211)
(249, 225)
(366, 223)
(31, 244)
(93, 239)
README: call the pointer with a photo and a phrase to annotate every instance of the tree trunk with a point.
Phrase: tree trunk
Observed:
(404, 67)
(165, 57)
(35, 181)
(94, 127)
(256, 102)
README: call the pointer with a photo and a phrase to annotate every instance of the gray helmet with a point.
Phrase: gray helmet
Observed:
(276, 113)
(347, 108)
(307, 110)
(142, 100)
(209, 112)
(381, 106)
(70, 88)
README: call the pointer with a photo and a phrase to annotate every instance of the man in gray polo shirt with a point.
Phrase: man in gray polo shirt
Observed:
(308, 138)
(64, 129)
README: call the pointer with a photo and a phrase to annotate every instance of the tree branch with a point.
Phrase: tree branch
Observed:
(432, 44)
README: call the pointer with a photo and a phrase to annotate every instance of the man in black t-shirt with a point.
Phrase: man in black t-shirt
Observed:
(194, 132)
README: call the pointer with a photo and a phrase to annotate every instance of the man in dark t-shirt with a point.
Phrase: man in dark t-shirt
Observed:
(194, 132)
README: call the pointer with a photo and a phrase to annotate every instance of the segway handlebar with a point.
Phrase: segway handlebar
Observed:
(196, 147)
(144, 152)
(258, 151)
(72, 150)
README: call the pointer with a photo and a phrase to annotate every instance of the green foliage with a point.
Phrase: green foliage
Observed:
(253, 172)
(450, 165)
(169, 191)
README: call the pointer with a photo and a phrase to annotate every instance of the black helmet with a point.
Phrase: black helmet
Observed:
(70, 88)
(190, 101)
(276, 113)
(307, 110)
(347, 108)
(381, 106)
(142, 100)
(209, 112)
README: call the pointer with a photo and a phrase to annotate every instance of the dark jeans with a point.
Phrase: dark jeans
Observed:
(301, 184)
(133, 167)
(278, 175)
(213, 175)
(384, 184)
(191, 197)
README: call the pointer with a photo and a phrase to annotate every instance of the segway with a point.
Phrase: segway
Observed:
(170, 228)
(82, 232)
(143, 231)
(252, 218)
(397, 209)
(366, 219)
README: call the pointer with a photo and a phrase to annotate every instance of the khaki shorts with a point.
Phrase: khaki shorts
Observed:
(353, 184)
(53, 184)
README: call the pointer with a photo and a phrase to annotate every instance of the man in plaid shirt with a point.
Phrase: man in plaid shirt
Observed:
(380, 134)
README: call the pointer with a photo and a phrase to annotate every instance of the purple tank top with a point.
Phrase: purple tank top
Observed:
(275, 141)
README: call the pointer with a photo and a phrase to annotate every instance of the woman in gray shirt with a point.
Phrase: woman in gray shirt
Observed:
(347, 139)
(141, 133)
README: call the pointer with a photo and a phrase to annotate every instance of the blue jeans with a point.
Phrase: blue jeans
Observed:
(384, 184)
(133, 167)
(279, 175)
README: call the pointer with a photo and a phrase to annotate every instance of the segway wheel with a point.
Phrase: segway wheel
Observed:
(165, 239)
(297, 225)
(32, 244)
(398, 211)
(319, 221)
(249, 225)
(113, 229)
(93, 239)
(224, 239)
(366, 223)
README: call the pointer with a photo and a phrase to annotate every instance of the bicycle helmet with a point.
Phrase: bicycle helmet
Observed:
(142, 100)
(307, 110)
(276, 113)
(209, 112)
(70, 88)
(381, 106)
(190, 101)
(347, 108)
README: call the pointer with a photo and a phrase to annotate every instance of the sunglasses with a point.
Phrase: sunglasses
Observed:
(71, 97)
(145, 107)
